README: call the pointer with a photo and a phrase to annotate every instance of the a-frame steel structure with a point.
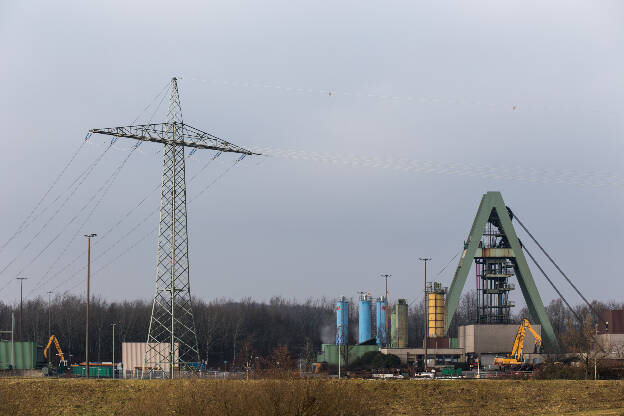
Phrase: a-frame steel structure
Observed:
(508, 249)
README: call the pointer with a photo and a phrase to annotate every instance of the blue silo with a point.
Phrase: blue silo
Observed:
(365, 327)
(342, 321)
(382, 309)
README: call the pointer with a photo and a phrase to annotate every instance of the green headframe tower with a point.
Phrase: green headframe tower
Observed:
(494, 248)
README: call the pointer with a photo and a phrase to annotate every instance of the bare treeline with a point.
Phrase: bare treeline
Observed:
(227, 328)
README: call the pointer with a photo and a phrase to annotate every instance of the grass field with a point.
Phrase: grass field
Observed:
(309, 397)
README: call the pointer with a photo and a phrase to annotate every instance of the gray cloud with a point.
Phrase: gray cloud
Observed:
(530, 85)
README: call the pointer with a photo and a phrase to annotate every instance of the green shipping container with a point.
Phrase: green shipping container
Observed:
(94, 371)
(28, 355)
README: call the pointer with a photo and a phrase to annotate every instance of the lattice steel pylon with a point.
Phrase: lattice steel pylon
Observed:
(172, 340)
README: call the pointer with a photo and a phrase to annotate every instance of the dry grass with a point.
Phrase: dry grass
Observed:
(309, 397)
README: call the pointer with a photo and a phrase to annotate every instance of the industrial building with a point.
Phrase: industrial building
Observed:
(487, 341)
(611, 336)
(494, 249)
(137, 358)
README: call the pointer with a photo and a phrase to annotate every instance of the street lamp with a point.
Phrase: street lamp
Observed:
(425, 260)
(89, 236)
(49, 320)
(21, 279)
(113, 325)
(386, 276)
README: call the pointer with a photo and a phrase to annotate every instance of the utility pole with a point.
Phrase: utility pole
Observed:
(49, 320)
(21, 279)
(386, 276)
(49, 326)
(113, 325)
(89, 236)
(596, 357)
(425, 260)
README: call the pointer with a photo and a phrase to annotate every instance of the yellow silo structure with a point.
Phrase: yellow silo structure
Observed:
(435, 310)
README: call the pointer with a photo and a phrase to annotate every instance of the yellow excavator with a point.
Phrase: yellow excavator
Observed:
(62, 363)
(517, 356)
(56, 345)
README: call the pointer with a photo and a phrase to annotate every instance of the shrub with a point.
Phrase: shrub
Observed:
(375, 359)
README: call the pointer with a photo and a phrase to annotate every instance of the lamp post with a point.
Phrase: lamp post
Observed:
(113, 325)
(596, 357)
(89, 236)
(21, 279)
(49, 320)
(425, 260)
(386, 276)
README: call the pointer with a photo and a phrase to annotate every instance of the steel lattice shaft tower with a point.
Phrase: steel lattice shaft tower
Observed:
(172, 339)
(172, 315)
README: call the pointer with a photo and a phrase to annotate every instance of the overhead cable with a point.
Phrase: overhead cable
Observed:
(152, 102)
(106, 233)
(551, 283)
(449, 262)
(25, 223)
(102, 192)
(331, 93)
(591, 333)
(136, 243)
(514, 216)
(511, 173)
(80, 180)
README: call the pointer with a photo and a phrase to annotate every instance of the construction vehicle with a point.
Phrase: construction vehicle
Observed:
(62, 366)
(517, 356)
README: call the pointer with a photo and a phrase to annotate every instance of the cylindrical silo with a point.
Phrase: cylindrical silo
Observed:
(393, 330)
(382, 308)
(342, 321)
(365, 327)
(435, 309)
(436, 315)
(401, 312)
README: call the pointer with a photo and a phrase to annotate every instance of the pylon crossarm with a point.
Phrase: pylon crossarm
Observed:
(185, 135)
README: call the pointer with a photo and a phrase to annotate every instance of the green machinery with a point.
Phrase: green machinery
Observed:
(497, 253)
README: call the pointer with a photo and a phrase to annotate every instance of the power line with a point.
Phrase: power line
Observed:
(331, 92)
(80, 180)
(511, 173)
(119, 222)
(216, 179)
(25, 223)
(151, 102)
(123, 253)
(157, 107)
(551, 282)
(449, 262)
(132, 246)
(137, 225)
(514, 216)
(103, 191)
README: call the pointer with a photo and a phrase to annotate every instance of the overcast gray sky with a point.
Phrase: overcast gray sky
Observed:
(525, 85)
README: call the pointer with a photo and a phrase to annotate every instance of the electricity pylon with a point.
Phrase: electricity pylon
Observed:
(172, 340)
